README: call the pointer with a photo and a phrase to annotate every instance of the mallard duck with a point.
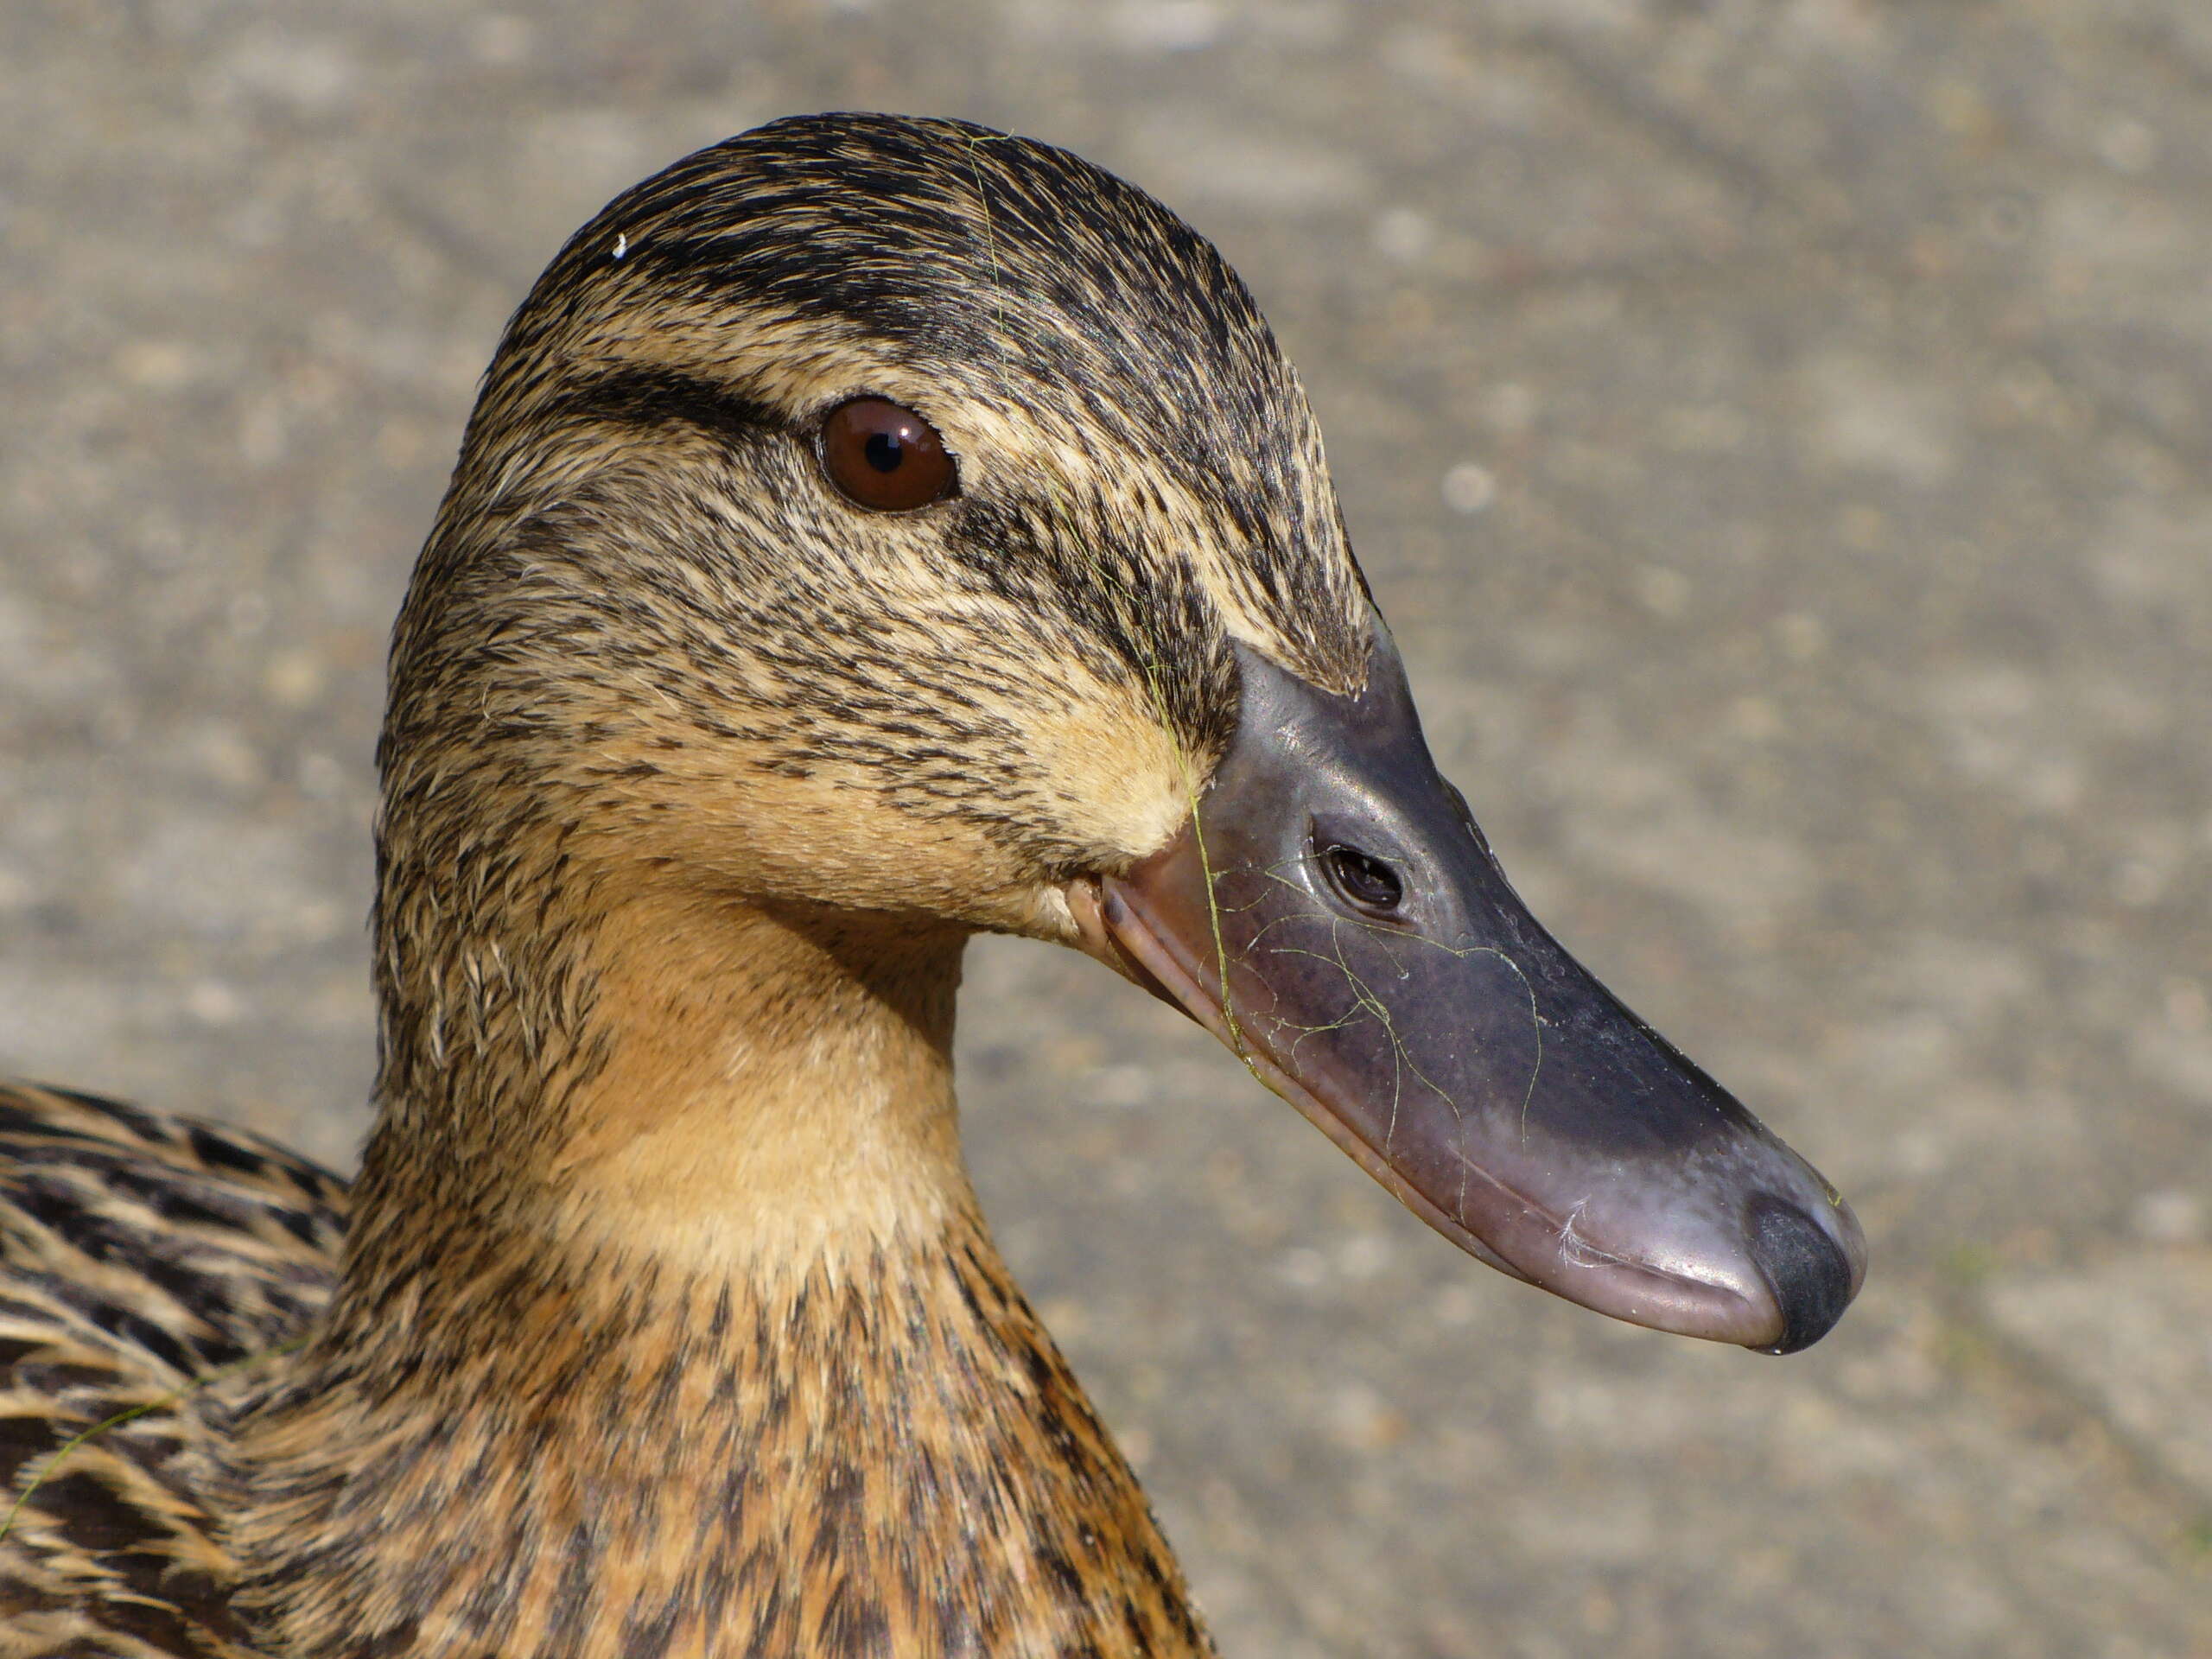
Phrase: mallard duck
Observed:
(871, 531)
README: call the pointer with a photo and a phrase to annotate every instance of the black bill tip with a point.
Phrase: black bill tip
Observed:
(1805, 1265)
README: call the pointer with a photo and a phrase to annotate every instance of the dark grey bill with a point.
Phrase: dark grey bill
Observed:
(1333, 913)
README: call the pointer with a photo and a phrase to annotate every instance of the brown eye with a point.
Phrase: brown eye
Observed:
(881, 456)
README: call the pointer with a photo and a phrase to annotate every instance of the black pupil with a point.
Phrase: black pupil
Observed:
(1363, 880)
(884, 451)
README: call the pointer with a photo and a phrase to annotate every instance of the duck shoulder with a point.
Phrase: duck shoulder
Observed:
(140, 1257)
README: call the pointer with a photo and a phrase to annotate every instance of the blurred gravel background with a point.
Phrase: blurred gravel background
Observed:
(1779, 434)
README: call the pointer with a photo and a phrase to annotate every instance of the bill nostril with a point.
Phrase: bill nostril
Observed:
(1363, 881)
(1805, 1266)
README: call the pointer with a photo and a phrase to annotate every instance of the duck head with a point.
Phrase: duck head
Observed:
(897, 524)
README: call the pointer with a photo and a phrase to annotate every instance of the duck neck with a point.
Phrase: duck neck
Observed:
(668, 1325)
(682, 1085)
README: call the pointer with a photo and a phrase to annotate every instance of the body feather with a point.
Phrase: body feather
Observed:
(140, 1257)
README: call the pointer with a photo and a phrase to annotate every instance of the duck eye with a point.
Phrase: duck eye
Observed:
(884, 457)
(1362, 880)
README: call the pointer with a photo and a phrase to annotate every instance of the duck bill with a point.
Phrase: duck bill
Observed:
(1447, 1042)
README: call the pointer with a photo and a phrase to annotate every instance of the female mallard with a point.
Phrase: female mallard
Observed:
(871, 531)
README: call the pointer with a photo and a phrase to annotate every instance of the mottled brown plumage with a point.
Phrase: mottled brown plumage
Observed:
(665, 1324)
(140, 1254)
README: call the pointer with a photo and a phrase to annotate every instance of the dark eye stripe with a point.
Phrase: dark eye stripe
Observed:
(654, 398)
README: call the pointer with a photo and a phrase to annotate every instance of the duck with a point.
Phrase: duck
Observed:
(872, 532)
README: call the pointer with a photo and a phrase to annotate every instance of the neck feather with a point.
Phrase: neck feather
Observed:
(668, 1326)
(730, 1089)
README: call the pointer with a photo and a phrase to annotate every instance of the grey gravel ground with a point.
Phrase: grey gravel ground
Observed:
(1779, 434)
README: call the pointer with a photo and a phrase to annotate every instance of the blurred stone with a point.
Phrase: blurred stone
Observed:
(2135, 1335)
(2170, 1217)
